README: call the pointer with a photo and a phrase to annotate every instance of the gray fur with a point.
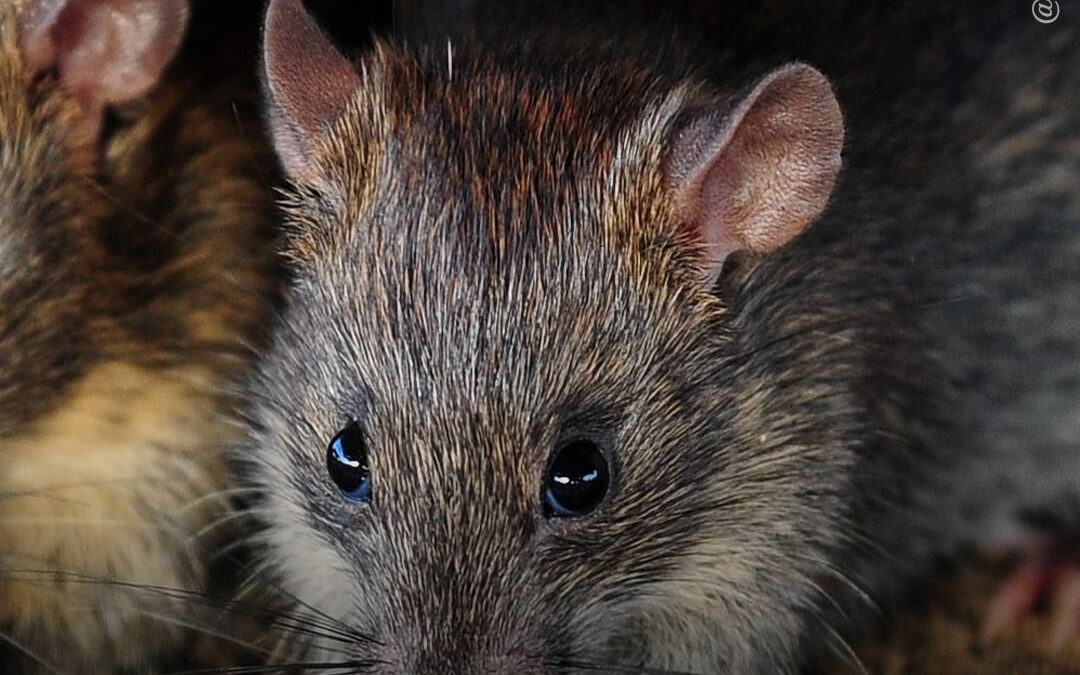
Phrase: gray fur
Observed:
(487, 264)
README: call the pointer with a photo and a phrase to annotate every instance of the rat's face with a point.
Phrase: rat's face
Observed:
(504, 427)
(477, 467)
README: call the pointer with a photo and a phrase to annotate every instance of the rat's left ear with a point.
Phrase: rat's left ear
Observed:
(105, 51)
(754, 176)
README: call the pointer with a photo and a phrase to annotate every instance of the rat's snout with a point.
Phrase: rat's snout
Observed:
(446, 662)
(459, 572)
(462, 598)
(462, 624)
(455, 650)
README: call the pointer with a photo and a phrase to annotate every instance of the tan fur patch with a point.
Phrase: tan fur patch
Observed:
(117, 484)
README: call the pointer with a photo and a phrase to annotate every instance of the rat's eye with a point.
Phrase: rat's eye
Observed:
(346, 460)
(576, 481)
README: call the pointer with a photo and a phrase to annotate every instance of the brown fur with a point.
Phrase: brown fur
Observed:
(485, 268)
(488, 260)
(147, 255)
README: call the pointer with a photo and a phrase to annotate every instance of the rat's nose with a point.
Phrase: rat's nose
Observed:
(450, 661)
(460, 647)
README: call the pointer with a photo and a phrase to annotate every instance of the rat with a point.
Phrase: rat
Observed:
(136, 274)
(612, 344)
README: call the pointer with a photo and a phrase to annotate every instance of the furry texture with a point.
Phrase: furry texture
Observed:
(136, 275)
(488, 260)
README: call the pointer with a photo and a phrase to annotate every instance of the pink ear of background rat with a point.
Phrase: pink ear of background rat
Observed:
(756, 178)
(309, 82)
(105, 51)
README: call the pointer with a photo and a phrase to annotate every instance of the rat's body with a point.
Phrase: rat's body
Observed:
(501, 250)
(135, 277)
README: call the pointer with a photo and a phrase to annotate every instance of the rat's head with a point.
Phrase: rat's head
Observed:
(61, 63)
(502, 427)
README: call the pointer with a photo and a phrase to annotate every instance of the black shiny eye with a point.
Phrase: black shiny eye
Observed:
(346, 460)
(577, 479)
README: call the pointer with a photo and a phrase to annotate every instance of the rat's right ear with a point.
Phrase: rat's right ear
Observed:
(753, 176)
(308, 83)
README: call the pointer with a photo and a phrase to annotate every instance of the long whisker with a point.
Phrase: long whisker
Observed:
(126, 208)
(355, 666)
(224, 520)
(34, 656)
(332, 631)
(205, 630)
(253, 158)
(598, 667)
(224, 494)
(844, 650)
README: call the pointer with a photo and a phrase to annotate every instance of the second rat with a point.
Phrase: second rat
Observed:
(136, 275)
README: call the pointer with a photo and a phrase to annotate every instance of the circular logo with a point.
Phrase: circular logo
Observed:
(1045, 11)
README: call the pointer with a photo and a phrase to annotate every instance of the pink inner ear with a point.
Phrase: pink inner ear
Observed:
(106, 51)
(309, 83)
(759, 178)
(34, 23)
(727, 195)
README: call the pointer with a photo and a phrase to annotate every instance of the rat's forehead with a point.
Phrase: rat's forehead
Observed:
(496, 226)
(428, 347)
(489, 119)
(487, 166)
